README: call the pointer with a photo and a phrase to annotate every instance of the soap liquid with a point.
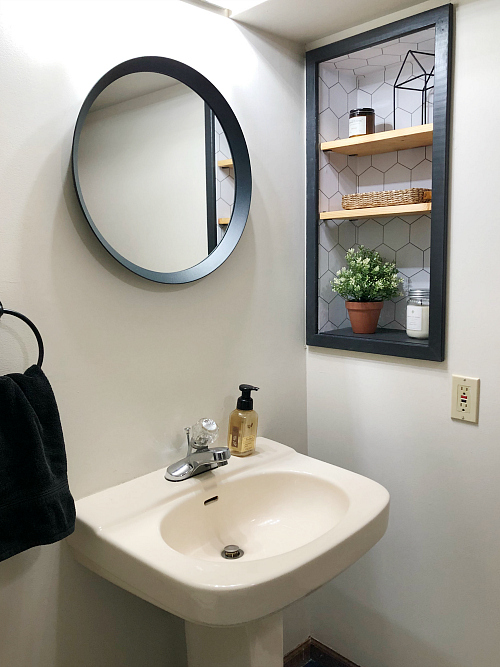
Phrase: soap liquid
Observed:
(242, 432)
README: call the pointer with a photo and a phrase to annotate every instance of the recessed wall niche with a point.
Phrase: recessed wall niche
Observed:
(385, 70)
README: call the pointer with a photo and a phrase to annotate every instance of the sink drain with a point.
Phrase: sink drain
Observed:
(232, 551)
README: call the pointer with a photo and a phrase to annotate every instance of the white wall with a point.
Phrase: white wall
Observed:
(129, 360)
(428, 594)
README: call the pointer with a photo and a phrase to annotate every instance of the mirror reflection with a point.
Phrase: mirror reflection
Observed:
(155, 172)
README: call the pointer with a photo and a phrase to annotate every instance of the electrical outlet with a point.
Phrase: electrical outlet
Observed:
(465, 399)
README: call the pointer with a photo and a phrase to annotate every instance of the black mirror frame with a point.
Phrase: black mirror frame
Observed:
(442, 19)
(242, 171)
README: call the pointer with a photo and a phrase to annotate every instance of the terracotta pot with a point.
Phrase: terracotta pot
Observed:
(364, 315)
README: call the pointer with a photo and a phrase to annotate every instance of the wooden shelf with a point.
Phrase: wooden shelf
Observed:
(382, 142)
(377, 212)
(223, 221)
(225, 164)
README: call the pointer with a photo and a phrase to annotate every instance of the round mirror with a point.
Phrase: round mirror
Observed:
(161, 170)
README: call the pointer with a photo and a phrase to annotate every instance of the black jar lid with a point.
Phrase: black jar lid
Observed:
(362, 112)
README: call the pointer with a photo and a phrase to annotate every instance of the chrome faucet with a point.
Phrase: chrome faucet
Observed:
(200, 458)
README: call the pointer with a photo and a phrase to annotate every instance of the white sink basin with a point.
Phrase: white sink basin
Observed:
(299, 521)
(266, 514)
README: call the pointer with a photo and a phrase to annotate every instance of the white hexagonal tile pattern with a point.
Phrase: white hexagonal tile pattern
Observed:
(323, 203)
(325, 288)
(364, 99)
(335, 202)
(411, 157)
(351, 63)
(338, 100)
(427, 258)
(396, 178)
(328, 234)
(344, 126)
(396, 233)
(421, 280)
(347, 235)
(403, 119)
(323, 96)
(420, 232)
(384, 161)
(370, 82)
(384, 60)
(400, 312)
(328, 180)
(382, 100)
(387, 313)
(322, 261)
(322, 313)
(227, 190)
(365, 71)
(329, 125)
(421, 176)
(347, 181)
(409, 260)
(337, 311)
(223, 209)
(359, 164)
(347, 80)
(329, 74)
(370, 234)
(224, 146)
(337, 160)
(361, 80)
(387, 254)
(428, 46)
(370, 52)
(399, 49)
(370, 180)
(336, 259)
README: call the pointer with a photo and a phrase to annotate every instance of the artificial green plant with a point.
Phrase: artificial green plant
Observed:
(367, 277)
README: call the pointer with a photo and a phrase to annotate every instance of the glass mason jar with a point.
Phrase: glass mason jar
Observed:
(417, 313)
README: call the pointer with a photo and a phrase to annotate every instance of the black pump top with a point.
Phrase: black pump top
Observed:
(245, 401)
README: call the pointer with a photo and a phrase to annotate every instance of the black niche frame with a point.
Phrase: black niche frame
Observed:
(239, 151)
(386, 341)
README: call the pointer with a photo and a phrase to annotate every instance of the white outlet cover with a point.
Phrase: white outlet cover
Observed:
(465, 398)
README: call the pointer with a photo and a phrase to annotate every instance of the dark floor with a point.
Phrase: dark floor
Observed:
(312, 663)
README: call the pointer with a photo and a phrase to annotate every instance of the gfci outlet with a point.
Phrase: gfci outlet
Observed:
(465, 398)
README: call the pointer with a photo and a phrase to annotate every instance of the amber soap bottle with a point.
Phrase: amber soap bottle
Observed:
(243, 421)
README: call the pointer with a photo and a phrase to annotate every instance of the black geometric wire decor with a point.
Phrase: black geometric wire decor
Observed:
(423, 80)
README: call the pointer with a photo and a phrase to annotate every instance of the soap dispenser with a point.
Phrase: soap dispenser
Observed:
(243, 421)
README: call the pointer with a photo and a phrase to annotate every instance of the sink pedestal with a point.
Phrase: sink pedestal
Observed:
(250, 645)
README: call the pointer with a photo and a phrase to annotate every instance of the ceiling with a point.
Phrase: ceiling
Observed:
(307, 20)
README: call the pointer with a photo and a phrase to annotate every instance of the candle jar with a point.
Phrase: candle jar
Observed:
(361, 122)
(417, 313)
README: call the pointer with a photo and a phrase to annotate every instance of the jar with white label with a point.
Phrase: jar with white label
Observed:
(417, 313)
(361, 121)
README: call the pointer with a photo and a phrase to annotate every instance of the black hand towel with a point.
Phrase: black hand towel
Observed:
(36, 506)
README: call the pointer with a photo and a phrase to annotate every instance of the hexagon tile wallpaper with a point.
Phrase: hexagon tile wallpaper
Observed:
(366, 79)
(224, 180)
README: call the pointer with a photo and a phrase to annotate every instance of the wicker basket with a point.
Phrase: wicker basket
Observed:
(388, 198)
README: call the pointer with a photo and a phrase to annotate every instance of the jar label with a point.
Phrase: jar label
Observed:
(414, 318)
(357, 125)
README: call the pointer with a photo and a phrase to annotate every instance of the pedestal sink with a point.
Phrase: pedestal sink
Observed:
(299, 522)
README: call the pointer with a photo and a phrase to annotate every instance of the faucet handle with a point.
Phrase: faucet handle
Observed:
(204, 433)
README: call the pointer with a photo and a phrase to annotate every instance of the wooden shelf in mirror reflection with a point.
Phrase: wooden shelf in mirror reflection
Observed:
(223, 221)
(377, 212)
(225, 164)
(382, 142)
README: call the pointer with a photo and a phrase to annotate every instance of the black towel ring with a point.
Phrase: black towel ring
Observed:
(31, 326)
